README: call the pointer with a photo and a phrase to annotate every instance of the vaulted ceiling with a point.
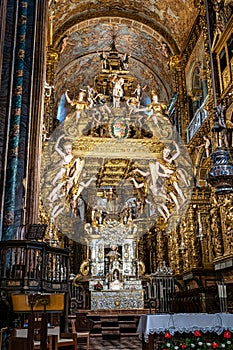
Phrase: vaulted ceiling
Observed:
(140, 29)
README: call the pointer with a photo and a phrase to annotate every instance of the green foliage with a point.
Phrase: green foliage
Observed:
(196, 342)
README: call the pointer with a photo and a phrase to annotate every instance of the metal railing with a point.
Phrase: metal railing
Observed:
(33, 266)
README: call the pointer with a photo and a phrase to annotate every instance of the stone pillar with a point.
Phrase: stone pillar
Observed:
(3, 5)
(7, 39)
(23, 67)
(13, 164)
(34, 140)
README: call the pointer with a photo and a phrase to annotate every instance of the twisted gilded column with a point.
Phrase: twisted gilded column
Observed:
(226, 214)
(215, 224)
(52, 59)
(177, 65)
(173, 252)
(192, 254)
(193, 245)
(206, 240)
(161, 248)
(209, 59)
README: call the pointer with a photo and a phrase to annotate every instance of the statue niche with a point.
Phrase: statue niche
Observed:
(113, 265)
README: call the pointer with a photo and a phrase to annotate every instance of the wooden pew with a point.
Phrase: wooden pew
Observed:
(80, 335)
(21, 342)
(63, 340)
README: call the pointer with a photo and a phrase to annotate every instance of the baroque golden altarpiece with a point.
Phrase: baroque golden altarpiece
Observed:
(132, 193)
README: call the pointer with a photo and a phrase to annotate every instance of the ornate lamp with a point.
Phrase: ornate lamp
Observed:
(221, 172)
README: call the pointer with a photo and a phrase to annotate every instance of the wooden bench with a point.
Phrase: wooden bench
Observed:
(55, 340)
(20, 336)
(80, 335)
(66, 340)
(21, 343)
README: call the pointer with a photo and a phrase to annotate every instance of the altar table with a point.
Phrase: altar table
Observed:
(117, 299)
(181, 323)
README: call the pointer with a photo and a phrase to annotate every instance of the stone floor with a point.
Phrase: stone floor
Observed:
(125, 343)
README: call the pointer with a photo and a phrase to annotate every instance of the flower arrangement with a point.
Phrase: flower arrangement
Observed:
(98, 286)
(196, 342)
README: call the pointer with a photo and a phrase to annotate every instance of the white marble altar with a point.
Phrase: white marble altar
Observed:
(115, 282)
(117, 299)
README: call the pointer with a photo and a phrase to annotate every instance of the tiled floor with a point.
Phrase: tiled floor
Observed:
(132, 343)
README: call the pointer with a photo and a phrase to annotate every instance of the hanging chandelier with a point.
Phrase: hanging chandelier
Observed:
(221, 173)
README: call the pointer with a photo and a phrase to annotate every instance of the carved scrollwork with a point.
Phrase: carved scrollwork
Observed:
(176, 62)
(85, 268)
(141, 268)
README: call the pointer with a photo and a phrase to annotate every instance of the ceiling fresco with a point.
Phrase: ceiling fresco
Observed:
(140, 31)
(73, 79)
(172, 18)
(82, 55)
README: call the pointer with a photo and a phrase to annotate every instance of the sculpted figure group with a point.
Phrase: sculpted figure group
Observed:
(160, 187)
(69, 181)
(95, 107)
(161, 183)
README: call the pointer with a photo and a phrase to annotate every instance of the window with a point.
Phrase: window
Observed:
(230, 47)
(196, 79)
(223, 60)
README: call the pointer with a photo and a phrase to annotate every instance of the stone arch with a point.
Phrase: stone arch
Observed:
(119, 17)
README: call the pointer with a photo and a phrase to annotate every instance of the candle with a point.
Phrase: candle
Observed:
(161, 289)
(155, 291)
(149, 290)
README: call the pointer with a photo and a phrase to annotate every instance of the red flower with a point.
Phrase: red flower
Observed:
(215, 345)
(98, 286)
(197, 333)
(183, 346)
(167, 335)
(227, 334)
